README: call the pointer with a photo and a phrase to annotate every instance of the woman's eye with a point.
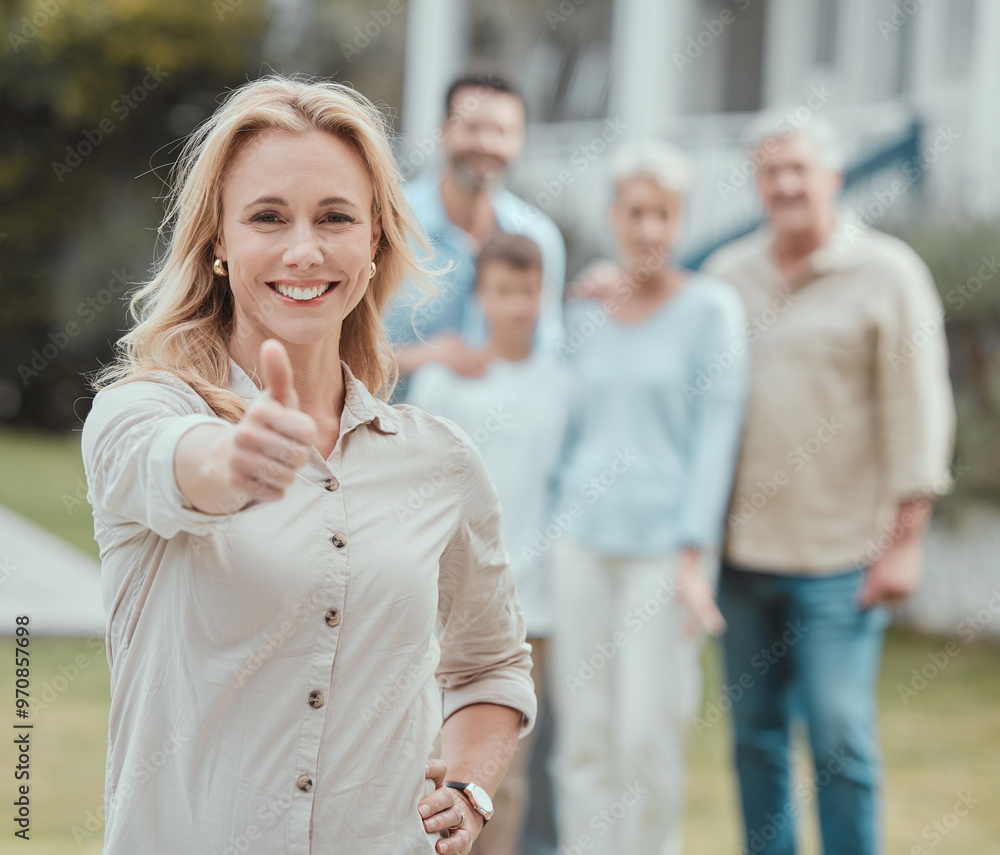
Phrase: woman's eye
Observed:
(338, 218)
(264, 218)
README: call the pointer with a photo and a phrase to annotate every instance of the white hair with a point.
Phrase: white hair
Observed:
(662, 163)
(796, 121)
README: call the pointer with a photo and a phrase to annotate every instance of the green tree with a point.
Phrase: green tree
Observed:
(94, 98)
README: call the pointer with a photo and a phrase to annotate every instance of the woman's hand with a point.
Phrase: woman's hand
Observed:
(599, 280)
(265, 450)
(697, 596)
(447, 812)
(221, 468)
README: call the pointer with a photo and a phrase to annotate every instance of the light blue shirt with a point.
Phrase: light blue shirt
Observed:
(651, 452)
(457, 307)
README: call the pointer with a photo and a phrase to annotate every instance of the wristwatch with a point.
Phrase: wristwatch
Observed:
(477, 796)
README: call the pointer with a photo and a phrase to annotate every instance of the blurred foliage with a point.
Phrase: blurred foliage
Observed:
(92, 94)
(965, 260)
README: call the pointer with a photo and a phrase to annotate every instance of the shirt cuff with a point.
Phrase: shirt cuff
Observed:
(505, 688)
(169, 510)
(906, 489)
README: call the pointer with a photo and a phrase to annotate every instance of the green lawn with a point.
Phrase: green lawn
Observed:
(940, 743)
(43, 481)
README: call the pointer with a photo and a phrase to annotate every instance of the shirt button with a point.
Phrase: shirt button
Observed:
(332, 617)
(304, 783)
(331, 484)
(339, 540)
(316, 700)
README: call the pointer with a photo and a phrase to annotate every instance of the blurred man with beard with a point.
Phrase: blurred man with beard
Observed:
(461, 208)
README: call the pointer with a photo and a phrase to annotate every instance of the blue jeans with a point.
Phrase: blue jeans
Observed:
(801, 646)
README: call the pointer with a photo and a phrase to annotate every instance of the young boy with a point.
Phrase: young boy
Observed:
(516, 413)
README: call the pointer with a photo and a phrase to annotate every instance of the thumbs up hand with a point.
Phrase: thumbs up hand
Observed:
(272, 441)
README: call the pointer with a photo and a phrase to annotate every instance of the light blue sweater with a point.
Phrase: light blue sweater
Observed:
(659, 405)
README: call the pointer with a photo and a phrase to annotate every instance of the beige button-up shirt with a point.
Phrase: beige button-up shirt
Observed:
(851, 409)
(279, 675)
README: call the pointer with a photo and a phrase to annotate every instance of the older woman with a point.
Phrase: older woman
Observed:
(661, 376)
(301, 580)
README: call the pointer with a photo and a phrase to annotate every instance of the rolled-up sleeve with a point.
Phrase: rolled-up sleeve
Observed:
(128, 444)
(484, 656)
(917, 410)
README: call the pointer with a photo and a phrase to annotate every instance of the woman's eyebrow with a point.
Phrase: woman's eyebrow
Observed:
(267, 200)
(277, 200)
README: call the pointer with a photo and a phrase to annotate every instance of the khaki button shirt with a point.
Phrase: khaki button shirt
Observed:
(279, 675)
(851, 408)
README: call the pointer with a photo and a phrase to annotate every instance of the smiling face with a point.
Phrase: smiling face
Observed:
(297, 236)
(483, 133)
(797, 189)
(646, 220)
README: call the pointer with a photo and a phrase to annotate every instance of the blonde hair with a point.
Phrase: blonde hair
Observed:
(184, 315)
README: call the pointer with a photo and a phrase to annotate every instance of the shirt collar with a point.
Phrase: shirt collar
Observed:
(360, 406)
(841, 252)
(426, 194)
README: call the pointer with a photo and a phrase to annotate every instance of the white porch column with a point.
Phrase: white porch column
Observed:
(645, 81)
(435, 53)
(866, 60)
(983, 171)
(927, 57)
(787, 52)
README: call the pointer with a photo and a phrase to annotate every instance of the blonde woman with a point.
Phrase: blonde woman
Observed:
(302, 582)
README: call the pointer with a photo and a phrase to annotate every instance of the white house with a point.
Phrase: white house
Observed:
(595, 72)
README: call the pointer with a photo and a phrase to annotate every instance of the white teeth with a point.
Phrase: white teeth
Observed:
(301, 293)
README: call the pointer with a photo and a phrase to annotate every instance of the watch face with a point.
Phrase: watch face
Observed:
(481, 797)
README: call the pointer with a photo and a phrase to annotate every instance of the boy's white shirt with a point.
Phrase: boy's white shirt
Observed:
(517, 415)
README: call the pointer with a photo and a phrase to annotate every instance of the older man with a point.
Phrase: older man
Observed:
(848, 439)
(461, 208)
